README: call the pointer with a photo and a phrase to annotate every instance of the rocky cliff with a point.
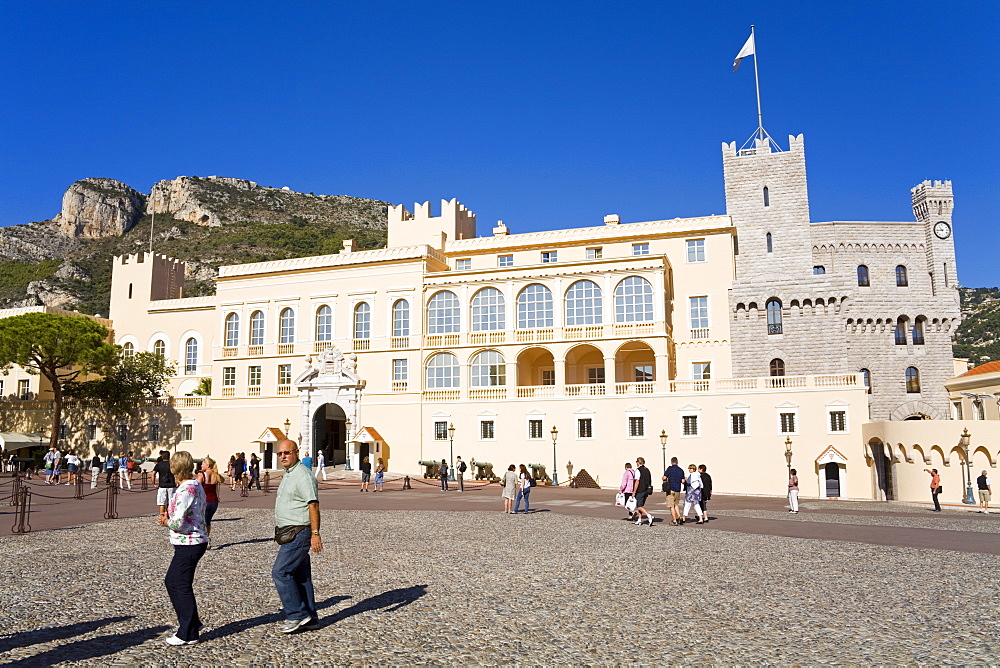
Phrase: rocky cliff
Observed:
(95, 208)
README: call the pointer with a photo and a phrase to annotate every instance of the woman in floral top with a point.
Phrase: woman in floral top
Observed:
(186, 521)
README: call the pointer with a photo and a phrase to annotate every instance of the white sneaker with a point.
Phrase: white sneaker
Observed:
(638, 521)
(650, 519)
(174, 640)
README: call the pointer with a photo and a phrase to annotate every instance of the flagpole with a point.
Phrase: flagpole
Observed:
(153, 221)
(756, 79)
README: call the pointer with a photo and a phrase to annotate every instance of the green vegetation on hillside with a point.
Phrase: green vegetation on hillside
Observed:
(15, 276)
(977, 337)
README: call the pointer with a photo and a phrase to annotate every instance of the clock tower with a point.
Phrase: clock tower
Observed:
(932, 205)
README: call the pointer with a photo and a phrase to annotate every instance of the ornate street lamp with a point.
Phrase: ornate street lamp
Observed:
(788, 454)
(347, 444)
(451, 452)
(663, 445)
(288, 426)
(555, 475)
(966, 438)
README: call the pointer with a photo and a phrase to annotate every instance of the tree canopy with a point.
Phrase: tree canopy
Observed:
(126, 382)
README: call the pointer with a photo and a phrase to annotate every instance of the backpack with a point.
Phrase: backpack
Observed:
(462, 467)
(531, 481)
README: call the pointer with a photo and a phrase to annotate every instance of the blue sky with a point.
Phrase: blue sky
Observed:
(544, 114)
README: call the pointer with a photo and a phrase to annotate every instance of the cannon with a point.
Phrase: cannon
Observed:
(430, 467)
(484, 470)
(538, 473)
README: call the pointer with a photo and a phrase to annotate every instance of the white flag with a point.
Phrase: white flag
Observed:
(747, 50)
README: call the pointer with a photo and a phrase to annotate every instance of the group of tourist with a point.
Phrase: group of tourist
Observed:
(516, 487)
(188, 514)
(241, 470)
(693, 489)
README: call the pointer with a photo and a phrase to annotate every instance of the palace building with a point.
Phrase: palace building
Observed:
(723, 340)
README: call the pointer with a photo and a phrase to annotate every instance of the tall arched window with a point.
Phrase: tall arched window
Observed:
(324, 323)
(918, 332)
(257, 328)
(866, 378)
(901, 276)
(583, 304)
(863, 276)
(912, 380)
(773, 307)
(232, 330)
(401, 318)
(160, 348)
(900, 331)
(488, 310)
(362, 321)
(128, 349)
(191, 356)
(777, 367)
(770, 244)
(488, 369)
(442, 372)
(443, 313)
(634, 300)
(767, 197)
(286, 326)
(534, 307)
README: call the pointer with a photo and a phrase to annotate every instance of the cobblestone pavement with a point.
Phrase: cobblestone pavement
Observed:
(481, 587)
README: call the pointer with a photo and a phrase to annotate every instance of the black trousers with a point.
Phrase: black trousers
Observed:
(180, 586)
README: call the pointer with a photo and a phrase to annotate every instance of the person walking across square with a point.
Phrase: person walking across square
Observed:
(443, 474)
(985, 490)
(643, 488)
(935, 488)
(674, 476)
(164, 481)
(706, 490)
(296, 517)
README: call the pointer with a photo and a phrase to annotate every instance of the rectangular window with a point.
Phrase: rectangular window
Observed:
(1, 390)
(505, 260)
(643, 373)
(284, 374)
(440, 431)
(738, 424)
(640, 249)
(229, 376)
(956, 410)
(585, 428)
(253, 376)
(63, 430)
(838, 420)
(636, 426)
(548, 376)
(534, 429)
(400, 370)
(24, 389)
(154, 432)
(696, 250)
(698, 311)
(463, 265)
(979, 412)
(595, 374)
(595, 253)
(91, 432)
(486, 430)
(701, 370)
(689, 425)
(550, 256)
(819, 270)
(787, 423)
(187, 432)
(121, 431)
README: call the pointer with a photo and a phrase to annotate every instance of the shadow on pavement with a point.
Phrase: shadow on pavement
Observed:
(391, 600)
(25, 638)
(244, 542)
(84, 650)
(271, 618)
(226, 519)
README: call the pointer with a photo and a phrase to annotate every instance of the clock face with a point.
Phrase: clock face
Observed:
(942, 230)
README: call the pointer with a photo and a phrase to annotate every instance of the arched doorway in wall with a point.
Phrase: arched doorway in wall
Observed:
(635, 362)
(831, 469)
(585, 365)
(535, 367)
(329, 434)
(882, 462)
(831, 479)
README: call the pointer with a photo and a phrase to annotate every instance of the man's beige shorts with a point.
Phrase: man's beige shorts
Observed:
(984, 496)
(673, 499)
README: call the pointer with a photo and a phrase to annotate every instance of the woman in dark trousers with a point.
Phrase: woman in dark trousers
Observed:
(443, 474)
(706, 490)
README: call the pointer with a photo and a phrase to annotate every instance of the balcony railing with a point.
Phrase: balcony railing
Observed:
(399, 385)
(284, 390)
(255, 351)
(587, 332)
(634, 329)
(361, 344)
(229, 391)
(189, 402)
(533, 335)
(536, 391)
(587, 390)
(320, 346)
(488, 393)
(441, 395)
(230, 352)
(286, 348)
(398, 342)
(634, 388)
(442, 340)
(253, 391)
(700, 333)
(480, 338)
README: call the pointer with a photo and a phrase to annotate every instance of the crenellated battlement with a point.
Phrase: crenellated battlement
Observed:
(932, 199)
(423, 227)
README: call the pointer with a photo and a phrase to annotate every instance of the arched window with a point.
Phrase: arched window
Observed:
(767, 197)
(777, 367)
(634, 300)
(191, 356)
(901, 276)
(362, 321)
(401, 318)
(534, 307)
(442, 372)
(160, 348)
(257, 328)
(443, 313)
(488, 369)
(900, 331)
(583, 304)
(773, 307)
(128, 349)
(863, 276)
(324, 323)
(286, 326)
(232, 330)
(770, 245)
(488, 310)
(918, 332)
(866, 378)
(912, 380)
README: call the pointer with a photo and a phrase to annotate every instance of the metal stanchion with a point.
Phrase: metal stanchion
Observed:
(79, 486)
(23, 512)
(406, 483)
(111, 502)
(244, 487)
(267, 482)
(145, 480)
(16, 491)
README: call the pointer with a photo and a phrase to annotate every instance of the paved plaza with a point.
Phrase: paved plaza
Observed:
(426, 577)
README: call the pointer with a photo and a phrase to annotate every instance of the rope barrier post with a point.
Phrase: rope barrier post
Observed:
(145, 480)
(22, 513)
(406, 483)
(244, 487)
(18, 485)
(267, 482)
(79, 486)
(111, 502)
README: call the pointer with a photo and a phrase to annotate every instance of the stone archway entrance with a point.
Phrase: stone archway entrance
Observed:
(329, 433)
(329, 397)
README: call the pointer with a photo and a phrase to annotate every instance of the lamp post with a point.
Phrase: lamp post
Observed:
(555, 474)
(966, 438)
(451, 451)
(347, 444)
(788, 454)
(663, 445)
